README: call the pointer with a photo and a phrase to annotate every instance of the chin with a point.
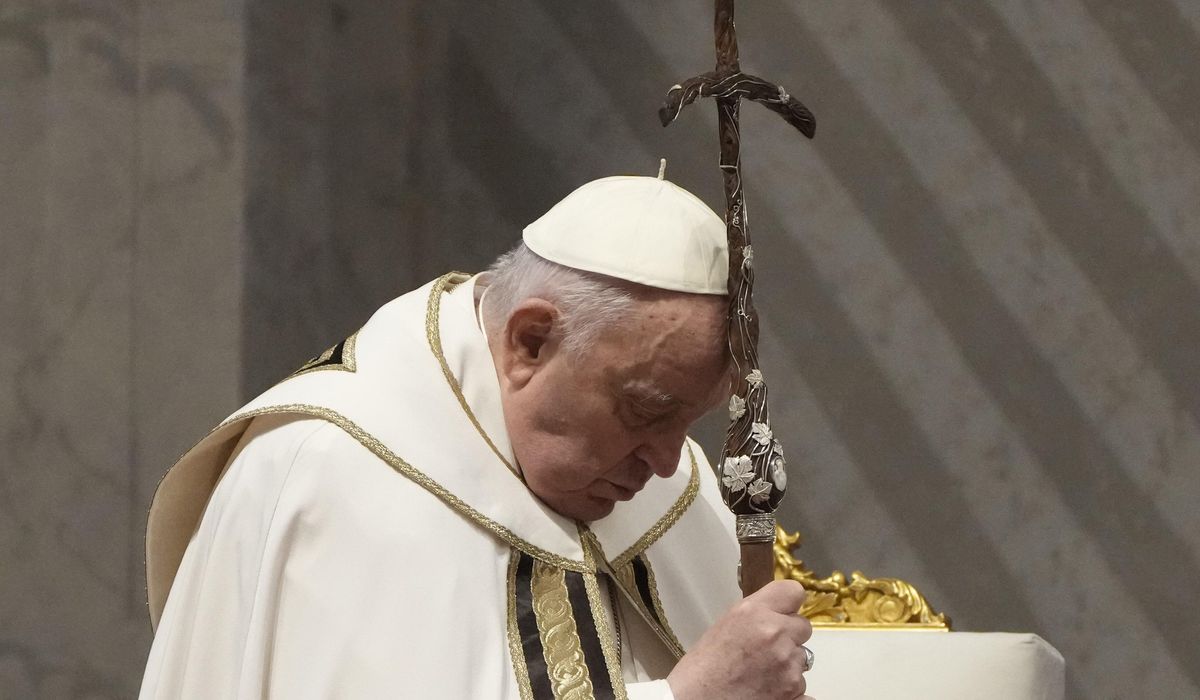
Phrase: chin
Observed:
(589, 509)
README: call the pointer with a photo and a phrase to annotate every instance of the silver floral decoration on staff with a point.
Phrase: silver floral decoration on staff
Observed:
(753, 472)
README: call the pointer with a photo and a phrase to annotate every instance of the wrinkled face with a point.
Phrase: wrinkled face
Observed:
(593, 429)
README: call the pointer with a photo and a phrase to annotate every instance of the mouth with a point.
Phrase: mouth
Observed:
(619, 492)
(624, 494)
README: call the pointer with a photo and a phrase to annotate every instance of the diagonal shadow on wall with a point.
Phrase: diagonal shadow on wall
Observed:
(1164, 52)
(1112, 241)
(1109, 235)
(1087, 475)
(837, 363)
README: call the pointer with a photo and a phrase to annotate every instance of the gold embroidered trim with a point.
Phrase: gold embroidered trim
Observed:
(433, 310)
(667, 520)
(626, 581)
(417, 476)
(348, 363)
(626, 578)
(515, 648)
(658, 606)
(612, 653)
(565, 663)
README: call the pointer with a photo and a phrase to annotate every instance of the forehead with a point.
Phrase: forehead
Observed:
(673, 345)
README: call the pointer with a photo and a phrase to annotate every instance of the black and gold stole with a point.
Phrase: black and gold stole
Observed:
(561, 644)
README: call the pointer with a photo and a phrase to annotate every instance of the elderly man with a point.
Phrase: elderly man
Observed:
(486, 492)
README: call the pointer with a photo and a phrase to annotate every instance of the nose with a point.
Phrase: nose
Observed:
(661, 452)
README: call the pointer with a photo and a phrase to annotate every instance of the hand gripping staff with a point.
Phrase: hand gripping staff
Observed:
(753, 475)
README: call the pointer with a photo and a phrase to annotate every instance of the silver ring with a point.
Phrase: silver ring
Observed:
(809, 658)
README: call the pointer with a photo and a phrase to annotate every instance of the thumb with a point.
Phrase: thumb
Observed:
(784, 597)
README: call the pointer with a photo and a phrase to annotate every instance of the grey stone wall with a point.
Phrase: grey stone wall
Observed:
(979, 283)
(121, 199)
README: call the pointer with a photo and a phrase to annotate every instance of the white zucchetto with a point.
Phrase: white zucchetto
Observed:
(640, 229)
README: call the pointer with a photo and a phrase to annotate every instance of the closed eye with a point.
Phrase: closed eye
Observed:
(643, 405)
(642, 415)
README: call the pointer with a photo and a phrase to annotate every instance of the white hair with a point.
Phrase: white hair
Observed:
(587, 302)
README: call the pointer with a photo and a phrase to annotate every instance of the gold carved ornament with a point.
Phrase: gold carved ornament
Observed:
(861, 602)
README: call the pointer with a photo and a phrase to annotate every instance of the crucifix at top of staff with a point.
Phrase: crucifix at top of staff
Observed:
(753, 473)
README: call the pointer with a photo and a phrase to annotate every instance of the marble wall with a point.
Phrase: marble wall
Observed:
(121, 209)
(980, 300)
(332, 214)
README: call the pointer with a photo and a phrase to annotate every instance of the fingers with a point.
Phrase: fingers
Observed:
(754, 650)
(792, 680)
(801, 630)
(780, 601)
(784, 597)
(803, 667)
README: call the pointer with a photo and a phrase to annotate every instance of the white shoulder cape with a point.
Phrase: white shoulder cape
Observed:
(355, 532)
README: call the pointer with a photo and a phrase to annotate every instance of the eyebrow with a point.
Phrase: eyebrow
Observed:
(645, 392)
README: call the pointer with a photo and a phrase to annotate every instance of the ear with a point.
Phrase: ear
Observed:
(528, 342)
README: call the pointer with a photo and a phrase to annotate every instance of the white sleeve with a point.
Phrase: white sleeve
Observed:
(649, 690)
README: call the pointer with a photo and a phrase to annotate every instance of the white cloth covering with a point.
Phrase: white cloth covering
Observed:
(361, 540)
(929, 665)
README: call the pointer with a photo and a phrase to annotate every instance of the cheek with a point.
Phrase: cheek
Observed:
(573, 448)
(580, 417)
(571, 434)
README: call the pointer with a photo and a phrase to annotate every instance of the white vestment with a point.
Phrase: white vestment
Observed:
(355, 532)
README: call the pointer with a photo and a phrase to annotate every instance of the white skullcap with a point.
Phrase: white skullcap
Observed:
(641, 229)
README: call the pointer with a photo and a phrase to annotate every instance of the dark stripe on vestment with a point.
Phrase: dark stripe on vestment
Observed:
(642, 577)
(531, 641)
(589, 638)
